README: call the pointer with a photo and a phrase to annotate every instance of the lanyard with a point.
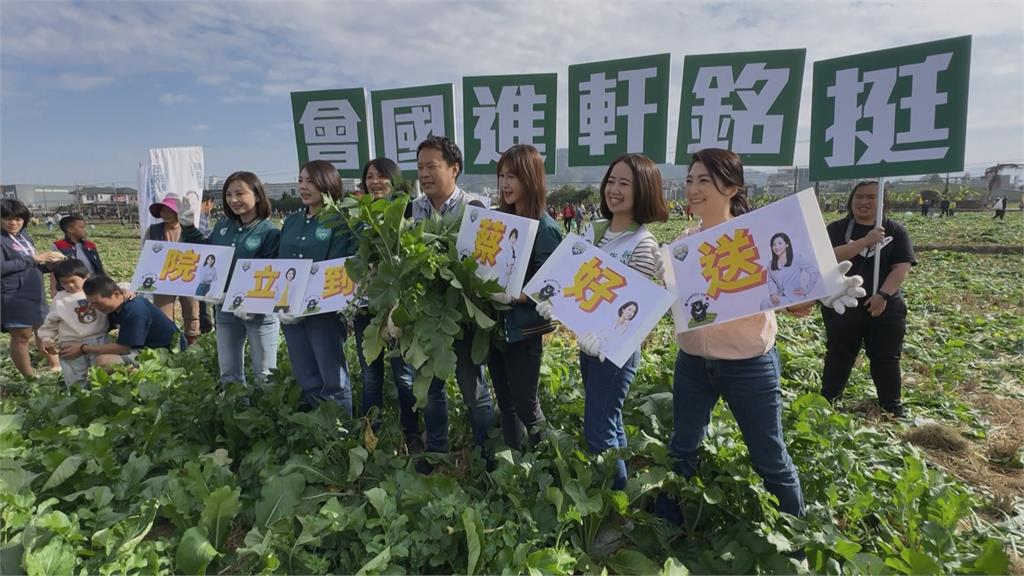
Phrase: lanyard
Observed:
(24, 245)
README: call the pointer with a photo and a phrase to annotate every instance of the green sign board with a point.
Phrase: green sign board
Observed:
(892, 112)
(747, 102)
(332, 125)
(618, 106)
(404, 117)
(501, 111)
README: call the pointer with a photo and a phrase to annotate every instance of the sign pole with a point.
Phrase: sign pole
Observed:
(878, 223)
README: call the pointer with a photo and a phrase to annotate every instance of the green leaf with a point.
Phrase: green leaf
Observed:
(586, 505)
(356, 460)
(123, 537)
(848, 550)
(194, 552)
(65, 470)
(377, 564)
(219, 510)
(673, 567)
(15, 478)
(54, 559)
(474, 532)
(278, 498)
(992, 560)
(477, 315)
(631, 562)
(713, 494)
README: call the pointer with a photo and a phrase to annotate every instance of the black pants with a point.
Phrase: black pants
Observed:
(567, 222)
(515, 372)
(882, 338)
(1001, 214)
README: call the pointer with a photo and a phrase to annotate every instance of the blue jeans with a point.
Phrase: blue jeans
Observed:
(373, 381)
(752, 391)
(232, 333)
(316, 347)
(605, 386)
(475, 394)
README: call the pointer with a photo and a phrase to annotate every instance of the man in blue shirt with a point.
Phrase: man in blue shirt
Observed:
(140, 324)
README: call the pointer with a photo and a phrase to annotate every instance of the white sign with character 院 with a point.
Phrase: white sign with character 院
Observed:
(265, 286)
(500, 243)
(328, 289)
(592, 292)
(182, 269)
(774, 257)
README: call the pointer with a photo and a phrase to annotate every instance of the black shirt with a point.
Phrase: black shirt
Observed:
(897, 251)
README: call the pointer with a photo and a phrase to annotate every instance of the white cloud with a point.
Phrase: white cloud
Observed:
(200, 127)
(169, 99)
(79, 82)
(213, 79)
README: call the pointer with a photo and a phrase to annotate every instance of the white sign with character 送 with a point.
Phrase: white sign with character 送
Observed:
(590, 291)
(774, 257)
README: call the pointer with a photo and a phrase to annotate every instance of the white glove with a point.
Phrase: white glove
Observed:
(289, 319)
(591, 346)
(243, 316)
(848, 295)
(394, 332)
(546, 310)
(186, 216)
(501, 298)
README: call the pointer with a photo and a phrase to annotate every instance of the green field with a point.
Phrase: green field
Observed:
(160, 471)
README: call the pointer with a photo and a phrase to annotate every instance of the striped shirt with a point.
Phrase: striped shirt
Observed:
(645, 254)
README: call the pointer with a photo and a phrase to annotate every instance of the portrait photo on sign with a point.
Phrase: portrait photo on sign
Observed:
(774, 257)
(183, 269)
(500, 243)
(265, 286)
(592, 292)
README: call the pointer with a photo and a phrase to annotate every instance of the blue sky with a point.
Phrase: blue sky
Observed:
(88, 87)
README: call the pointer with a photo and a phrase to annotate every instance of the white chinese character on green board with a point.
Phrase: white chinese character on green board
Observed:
(713, 119)
(882, 136)
(409, 121)
(511, 119)
(331, 130)
(598, 109)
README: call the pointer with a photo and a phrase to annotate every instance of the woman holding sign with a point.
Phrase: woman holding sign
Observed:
(379, 181)
(630, 198)
(316, 342)
(736, 360)
(246, 226)
(880, 323)
(169, 230)
(515, 368)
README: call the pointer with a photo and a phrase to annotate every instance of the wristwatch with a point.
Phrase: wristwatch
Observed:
(885, 295)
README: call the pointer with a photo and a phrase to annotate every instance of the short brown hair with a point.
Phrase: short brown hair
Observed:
(527, 164)
(325, 177)
(726, 167)
(648, 203)
(254, 184)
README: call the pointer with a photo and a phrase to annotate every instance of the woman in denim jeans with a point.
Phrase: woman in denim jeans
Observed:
(246, 226)
(735, 360)
(316, 343)
(630, 197)
(379, 181)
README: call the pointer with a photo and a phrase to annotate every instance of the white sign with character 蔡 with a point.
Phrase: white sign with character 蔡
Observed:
(590, 291)
(265, 286)
(500, 243)
(774, 257)
(182, 269)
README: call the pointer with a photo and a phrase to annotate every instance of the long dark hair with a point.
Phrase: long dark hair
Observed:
(648, 201)
(858, 186)
(527, 164)
(253, 182)
(789, 250)
(725, 167)
(325, 177)
(386, 167)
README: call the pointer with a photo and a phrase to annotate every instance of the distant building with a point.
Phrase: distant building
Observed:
(45, 197)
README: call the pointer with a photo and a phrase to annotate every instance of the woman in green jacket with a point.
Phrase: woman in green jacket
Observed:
(247, 227)
(515, 367)
(316, 343)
